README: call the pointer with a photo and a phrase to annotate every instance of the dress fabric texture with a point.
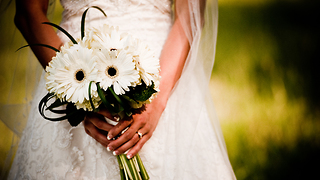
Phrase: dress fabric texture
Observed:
(183, 146)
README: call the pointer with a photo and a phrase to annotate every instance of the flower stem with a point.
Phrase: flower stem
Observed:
(132, 169)
(143, 171)
(122, 172)
(135, 174)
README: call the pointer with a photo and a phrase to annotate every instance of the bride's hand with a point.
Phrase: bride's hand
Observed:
(143, 124)
(97, 127)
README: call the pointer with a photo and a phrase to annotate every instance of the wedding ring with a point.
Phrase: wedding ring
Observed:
(140, 134)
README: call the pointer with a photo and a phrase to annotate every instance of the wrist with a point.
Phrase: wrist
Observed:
(158, 104)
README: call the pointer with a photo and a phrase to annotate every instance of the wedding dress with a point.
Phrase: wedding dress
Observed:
(185, 145)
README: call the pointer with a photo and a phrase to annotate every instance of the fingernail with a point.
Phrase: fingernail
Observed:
(108, 149)
(129, 156)
(126, 152)
(114, 153)
(109, 137)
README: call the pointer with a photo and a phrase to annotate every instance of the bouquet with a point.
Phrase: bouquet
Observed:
(102, 69)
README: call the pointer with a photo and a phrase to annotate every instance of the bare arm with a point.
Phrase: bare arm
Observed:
(30, 14)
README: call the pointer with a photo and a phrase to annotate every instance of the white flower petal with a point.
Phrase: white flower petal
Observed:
(61, 73)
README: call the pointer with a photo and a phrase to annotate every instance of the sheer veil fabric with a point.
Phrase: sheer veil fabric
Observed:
(188, 142)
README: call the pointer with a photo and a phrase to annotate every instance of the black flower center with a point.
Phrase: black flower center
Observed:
(112, 71)
(80, 75)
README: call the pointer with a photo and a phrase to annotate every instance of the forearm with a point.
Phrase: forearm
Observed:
(176, 49)
(172, 60)
(29, 18)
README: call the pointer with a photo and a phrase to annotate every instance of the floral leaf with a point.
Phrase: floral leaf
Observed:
(57, 103)
(129, 99)
(44, 45)
(43, 104)
(62, 30)
(84, 17)
(126, 108)
(142, 92)
(90, 99)
(76, 116)
(115, 96)
(63, 111)
(110, 108)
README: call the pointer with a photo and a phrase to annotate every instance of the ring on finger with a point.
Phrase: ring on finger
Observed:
(140, 134)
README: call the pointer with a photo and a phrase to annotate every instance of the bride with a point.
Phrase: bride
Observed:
(177, 136)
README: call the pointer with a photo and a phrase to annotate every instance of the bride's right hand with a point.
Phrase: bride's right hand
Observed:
(97, 127)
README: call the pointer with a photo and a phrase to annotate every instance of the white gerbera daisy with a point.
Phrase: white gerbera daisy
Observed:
(117, 69)
(108, 37)
(69, 74)
(147, 64)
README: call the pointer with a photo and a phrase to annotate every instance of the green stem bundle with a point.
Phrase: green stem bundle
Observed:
(132, 169)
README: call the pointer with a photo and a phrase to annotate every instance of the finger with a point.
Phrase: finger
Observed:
(124, 137)
(137, 147)
(129, 133)
(95, 133)
(99, 122)
(117, 129)
(144, 130)
(107, 114)
(126, 146)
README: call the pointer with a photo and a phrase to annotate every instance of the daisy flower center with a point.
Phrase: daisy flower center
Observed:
(111, 72)
(80, 75)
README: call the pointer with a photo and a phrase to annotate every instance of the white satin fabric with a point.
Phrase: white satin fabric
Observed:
(185, 144)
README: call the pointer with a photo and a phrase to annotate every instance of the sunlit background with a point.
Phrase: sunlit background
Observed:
(265, 85)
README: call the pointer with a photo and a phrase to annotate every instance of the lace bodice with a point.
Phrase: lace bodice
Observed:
(148, 20)
(73, 6)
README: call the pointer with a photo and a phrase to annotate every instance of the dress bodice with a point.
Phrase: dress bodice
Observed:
(148, 20)
(73, 6)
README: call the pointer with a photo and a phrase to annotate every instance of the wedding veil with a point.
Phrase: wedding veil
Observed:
(199, 19)
(200, 22)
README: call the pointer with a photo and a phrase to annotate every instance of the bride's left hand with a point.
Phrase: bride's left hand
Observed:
(143, 124)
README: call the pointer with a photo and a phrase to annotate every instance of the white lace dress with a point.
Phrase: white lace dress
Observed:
(182, 147)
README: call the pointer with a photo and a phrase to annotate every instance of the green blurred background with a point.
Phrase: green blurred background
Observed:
(265, 85)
